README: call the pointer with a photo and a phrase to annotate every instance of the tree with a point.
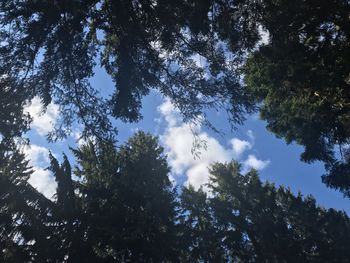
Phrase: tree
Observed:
(128, 203)
(121, 206)
(301, 76)
(25, 235)
(70, 226)
(193, 53)
(200, 238)
(249, 221)
(51, 47)
(13, 122)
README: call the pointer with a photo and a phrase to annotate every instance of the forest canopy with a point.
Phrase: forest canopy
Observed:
(289, 61)
(123, 208)
(199, 54)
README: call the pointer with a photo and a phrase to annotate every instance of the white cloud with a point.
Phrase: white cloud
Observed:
(253, 162)
(264, 35)
(178, 140)
(240, 146)
(251, 136)
(198, 175)
(37, 155)
(43, 122)
(43, 182)
(41, 179)
(169, 112)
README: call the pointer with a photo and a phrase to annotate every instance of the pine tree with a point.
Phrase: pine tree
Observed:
(301, 76)
(200, 238)
(128, 200)
(245, 220)
(260, 223)
(53, 46)
(25, 235)
(121, 206)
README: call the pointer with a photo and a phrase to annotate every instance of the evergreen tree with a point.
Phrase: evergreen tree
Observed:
(245, 220)
(13, 122)
(192, 52)
(260, 223)
(51, 47)
(70, 227)
(25, 235)
(301, 76)
(128, 200)
(123, 208)
(200, 238)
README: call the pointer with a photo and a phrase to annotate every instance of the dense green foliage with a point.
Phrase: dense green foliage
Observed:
(302, 76)
(249, 221)
(191, 51)
(128, 200)
(119, 205)
(24, 213)
(50, 49)
(122, 208)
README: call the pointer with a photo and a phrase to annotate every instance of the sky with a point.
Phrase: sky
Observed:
(251, 144)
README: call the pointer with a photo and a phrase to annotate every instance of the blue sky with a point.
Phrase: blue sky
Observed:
(251, 144)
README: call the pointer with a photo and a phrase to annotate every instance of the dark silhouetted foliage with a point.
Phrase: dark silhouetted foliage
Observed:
(191, 52)
(302, 78)
(180, 48)
(122, 208)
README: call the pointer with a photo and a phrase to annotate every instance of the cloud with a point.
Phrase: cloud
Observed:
(264, 36)
(169, 113)
(253, 162)
(178, 139)
(43, 122)
(43, 182)
(251, 136)
(41, 179)
(198, 175)
(37, 155)
(240, 146)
